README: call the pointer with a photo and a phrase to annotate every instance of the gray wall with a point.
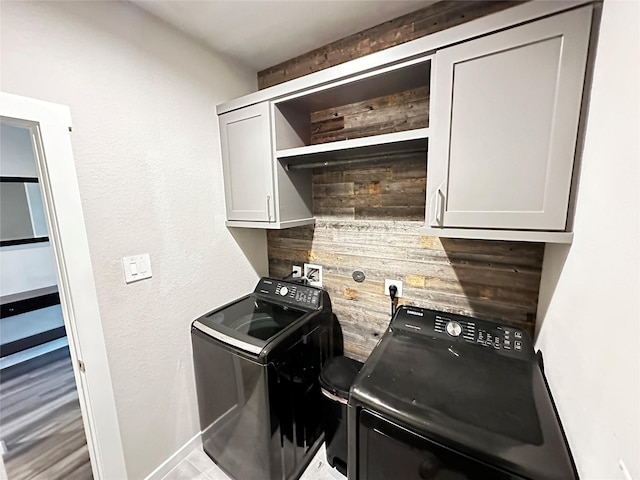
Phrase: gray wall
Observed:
(145, 143)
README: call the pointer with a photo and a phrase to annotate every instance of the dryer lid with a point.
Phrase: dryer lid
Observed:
(467, 396)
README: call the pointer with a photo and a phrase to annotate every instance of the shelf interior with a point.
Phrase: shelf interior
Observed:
(370, 153)
(380, 104)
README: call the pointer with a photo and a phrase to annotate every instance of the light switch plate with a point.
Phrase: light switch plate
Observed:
(137, 267)
(313, 274)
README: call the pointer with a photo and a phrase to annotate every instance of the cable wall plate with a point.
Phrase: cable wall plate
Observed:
(313, 273)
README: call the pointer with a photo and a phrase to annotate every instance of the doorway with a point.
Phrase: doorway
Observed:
(87, 372)
(41, 429)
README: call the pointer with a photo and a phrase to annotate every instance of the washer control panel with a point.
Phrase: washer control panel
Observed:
(293, 293)
(502, 338)
(465, 329)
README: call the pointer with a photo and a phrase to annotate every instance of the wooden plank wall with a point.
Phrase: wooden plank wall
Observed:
(369, 215)
(383, 191)
(392, 113)
(433, 18)
(369, 219)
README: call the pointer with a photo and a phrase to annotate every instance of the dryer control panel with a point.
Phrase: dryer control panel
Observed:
(292, 293)
(458, 328)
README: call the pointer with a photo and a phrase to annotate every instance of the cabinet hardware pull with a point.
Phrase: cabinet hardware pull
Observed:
(439, 204)
(269, 207)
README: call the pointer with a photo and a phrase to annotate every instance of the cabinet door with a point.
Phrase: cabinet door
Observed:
(504, 123)
(247, 163)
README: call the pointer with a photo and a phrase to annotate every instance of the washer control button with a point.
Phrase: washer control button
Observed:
(284, 291)
(454, 329)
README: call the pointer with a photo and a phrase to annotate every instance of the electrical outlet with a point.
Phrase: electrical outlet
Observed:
(313, 274)
(397, 283)
(296, 271)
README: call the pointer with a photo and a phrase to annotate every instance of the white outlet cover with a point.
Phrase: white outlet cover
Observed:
(397, 283)
(296, 271)
(317, 276)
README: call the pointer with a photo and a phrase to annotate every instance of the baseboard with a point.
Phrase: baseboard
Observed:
(171, 462)
(22, 362)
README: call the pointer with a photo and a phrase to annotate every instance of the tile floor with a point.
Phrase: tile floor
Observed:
(198, 466)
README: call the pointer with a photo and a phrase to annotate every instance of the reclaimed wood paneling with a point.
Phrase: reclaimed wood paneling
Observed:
(428, 20)
(369, 216)
(392, 113)
(369, 219)
(372, 192)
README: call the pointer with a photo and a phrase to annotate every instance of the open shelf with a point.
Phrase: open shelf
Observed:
(378, 108)
(379, 145)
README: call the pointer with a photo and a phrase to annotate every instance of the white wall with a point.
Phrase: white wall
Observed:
(16, 152)
(590, 335)
(25, 268)
(28, 267)
(145, 143)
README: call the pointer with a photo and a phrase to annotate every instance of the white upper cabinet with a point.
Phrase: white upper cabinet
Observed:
(246, 159)
(504, 125)
(259, 192)
(499, 107)
(268, 149)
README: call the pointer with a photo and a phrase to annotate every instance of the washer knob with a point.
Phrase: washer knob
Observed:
(284, 291)
(454, 329)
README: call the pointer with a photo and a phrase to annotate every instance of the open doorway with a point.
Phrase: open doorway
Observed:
(49, 127)
(41, 428)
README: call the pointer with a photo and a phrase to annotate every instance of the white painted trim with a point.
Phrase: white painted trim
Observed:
(271, 225)
(3, 471)
(172, 462)
(383, 139)
(33, 352)
(50, 125)
(16, 297)
(512, 235)
(512, 16)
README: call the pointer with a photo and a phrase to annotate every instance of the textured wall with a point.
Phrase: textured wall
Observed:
(590, 315)
(146, 149)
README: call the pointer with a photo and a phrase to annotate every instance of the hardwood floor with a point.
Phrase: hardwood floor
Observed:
(40, 422)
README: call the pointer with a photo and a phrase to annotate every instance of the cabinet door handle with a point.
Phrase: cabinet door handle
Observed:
(437, 214)
(269, 207)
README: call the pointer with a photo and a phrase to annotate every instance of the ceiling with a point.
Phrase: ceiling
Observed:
(263, 33)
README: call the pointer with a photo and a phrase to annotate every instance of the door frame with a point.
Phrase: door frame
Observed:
(50, 126)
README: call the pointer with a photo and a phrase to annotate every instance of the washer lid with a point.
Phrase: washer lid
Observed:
(249, 323)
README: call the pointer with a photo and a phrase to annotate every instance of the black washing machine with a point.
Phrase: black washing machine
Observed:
(256, 364)
(448, 397)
